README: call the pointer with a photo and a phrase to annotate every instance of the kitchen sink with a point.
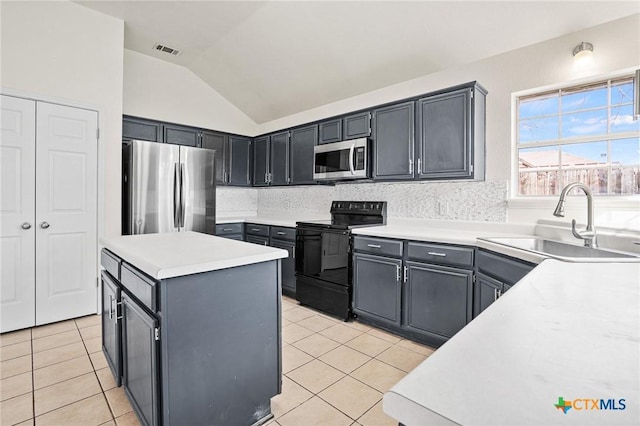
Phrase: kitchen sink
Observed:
(558, 249)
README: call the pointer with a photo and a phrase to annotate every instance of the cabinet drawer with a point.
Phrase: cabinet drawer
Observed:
(503, 268)
(140, 286)
(229, 228)
(440, 253)
(254, 229)
(378, 246)
(282, 233)
(111, 263)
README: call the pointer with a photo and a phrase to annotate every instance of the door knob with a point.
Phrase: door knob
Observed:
(26, 225)
(44, 225)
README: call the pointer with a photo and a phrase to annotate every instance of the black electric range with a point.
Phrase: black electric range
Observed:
(323, 255)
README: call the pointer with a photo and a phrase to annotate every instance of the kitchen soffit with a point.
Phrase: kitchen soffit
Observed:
(275, 58)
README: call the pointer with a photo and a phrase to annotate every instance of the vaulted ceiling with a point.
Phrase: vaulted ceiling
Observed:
(275, 58)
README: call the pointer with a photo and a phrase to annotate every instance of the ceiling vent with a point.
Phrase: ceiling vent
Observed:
(166, 49)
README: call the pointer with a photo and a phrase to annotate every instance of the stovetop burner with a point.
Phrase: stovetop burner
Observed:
(353, 214)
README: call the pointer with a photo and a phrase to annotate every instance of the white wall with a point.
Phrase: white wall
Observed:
(164, 91)
(65, 52)
(617, 46)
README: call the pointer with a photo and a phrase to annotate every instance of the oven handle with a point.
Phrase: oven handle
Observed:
(351, 152)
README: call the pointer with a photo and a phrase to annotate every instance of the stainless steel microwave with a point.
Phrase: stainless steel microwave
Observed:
(341, 160)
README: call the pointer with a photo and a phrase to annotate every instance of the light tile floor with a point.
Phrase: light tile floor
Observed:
(334, 373)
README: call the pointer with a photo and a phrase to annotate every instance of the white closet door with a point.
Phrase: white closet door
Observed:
(66, 209)
(17, 213)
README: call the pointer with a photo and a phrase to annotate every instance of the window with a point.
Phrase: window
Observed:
(585, 133)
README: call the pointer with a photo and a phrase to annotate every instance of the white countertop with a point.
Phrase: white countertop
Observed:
(566, 330)
(175, 254)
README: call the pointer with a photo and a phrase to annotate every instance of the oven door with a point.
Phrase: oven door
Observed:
(341, 160)
(323, 253)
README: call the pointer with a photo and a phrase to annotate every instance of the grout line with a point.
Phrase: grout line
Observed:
(33, 380)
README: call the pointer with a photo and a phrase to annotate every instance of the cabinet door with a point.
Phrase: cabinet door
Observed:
(356, 126)
(239, 161)
(330, 131)
(261, 161)
(288, 266)
(255, 239)
(140, 360)
(438, 299)
(487, 290)
(220, 143)
(111, 326)
(302, 142)
(444, 138)
(181, 135)
(393, 136)
(377, 288)
(280, 159)
(142, 130)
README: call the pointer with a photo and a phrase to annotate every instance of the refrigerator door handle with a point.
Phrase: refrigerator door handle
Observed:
(176, 196)
(182, 199)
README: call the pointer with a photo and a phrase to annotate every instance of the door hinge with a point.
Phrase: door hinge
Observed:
(471, 168)
(474, 278)
(471, 94)
(157, 333)
(98, 133)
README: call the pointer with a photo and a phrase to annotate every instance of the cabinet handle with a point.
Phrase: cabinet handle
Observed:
(496, 294)
(110, 307)
(44, 225)
(398, 273)
(406, 272)
(410, 167)
(227, 229)
(280, 233)
(26, 225)
(435, 253)
(255, 229)
(374, 246)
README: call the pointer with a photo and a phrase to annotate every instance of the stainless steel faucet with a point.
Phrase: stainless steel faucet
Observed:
(589, 234)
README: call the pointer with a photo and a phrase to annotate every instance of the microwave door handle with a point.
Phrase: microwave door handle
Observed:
(351, 151)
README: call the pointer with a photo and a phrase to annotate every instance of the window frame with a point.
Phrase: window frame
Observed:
(515, 199)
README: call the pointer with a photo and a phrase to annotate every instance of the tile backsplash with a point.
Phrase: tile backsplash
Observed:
(479, 201)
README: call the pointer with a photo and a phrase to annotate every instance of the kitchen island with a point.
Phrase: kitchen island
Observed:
(191, 326)
(567, 334)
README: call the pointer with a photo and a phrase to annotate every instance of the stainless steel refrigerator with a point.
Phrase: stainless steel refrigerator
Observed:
(167, 188)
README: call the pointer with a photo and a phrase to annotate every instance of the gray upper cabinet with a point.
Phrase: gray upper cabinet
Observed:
(141, 129)
(239, 173)
(301, 162)
(356, 126)
(219, 142)
(261, 161)
(393, 138)
(450, 139)
(280, 159)
(181, 135)
(330, 131)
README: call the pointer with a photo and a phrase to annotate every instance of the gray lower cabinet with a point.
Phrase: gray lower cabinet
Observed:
(393, 142)
(182, 360)
(437, 300)
(111, 326)
(232, 231)
(257, 233)
(255, 239)
(377, 293)
(303, 140)
(495, 275)
(140, 359)
(261, 163)
(288, 266)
